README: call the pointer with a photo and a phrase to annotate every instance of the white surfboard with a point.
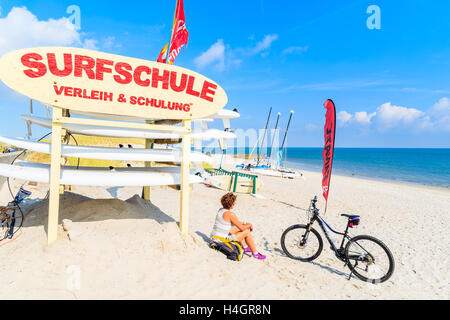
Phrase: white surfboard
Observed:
(222, 114)
(99, 177)
(102, 153)
(129, 133)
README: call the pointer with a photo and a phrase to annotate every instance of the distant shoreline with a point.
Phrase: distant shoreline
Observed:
(398, 182)
(295, 165)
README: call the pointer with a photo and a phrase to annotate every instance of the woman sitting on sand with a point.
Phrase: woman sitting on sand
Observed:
(228, 226)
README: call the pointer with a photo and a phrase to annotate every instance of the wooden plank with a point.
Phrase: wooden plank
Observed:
(148, 145)
(184, 194)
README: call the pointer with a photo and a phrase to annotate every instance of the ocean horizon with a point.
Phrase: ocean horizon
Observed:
(426, 166)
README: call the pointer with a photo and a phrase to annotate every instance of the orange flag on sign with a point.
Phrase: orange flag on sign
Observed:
(180, 36)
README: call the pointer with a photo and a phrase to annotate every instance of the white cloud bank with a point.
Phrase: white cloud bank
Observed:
(220, 56)
(215, 56)
(22, 29)
(388, 116)
(264, 44)
(295, 50)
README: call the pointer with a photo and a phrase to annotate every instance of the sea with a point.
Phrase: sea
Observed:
(420, 166)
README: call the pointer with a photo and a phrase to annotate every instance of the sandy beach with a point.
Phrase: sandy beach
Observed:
(128, 248)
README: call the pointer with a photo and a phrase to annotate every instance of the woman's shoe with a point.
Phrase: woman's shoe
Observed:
(259, 256)
(247, 250)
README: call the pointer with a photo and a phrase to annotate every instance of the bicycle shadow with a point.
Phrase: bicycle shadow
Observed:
(317, 264)
(291, 205)
(333, 270)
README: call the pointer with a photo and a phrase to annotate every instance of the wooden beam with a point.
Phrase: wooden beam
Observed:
(148, 145)
(185, 174)
(55, 171)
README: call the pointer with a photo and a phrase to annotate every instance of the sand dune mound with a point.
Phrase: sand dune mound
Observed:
(87, 220)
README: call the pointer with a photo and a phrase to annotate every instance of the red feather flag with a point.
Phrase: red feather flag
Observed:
(180, 36)
(328, 151)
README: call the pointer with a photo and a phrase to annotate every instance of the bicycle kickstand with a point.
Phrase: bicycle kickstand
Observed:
(351, 271)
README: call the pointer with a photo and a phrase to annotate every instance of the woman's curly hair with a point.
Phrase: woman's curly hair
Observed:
(228, 200)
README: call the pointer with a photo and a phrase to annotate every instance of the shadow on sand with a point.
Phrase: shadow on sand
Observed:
(327, 268)
(78, 208)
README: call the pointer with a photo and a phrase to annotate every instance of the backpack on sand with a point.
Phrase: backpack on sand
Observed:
(231, 248)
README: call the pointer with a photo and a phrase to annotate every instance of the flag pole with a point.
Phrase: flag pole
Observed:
(171, 33)
(331, 165)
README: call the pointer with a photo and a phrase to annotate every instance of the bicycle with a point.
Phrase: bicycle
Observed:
(363, 250)
(11, 216)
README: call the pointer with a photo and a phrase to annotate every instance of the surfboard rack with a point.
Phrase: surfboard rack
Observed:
(62, 116)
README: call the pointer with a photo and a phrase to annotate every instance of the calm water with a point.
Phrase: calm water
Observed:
(423, 166)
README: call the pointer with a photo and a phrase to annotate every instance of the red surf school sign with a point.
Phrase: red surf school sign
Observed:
(86, 80)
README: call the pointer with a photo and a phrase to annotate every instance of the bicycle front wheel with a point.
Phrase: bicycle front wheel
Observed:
(369, 259)
(301, 244)
(10, 224)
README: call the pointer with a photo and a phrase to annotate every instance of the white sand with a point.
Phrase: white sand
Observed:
(133, 250)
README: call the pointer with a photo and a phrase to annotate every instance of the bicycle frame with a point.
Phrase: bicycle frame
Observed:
(324, 226)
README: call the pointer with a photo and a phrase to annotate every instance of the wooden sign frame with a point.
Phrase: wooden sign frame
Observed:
(111, 84)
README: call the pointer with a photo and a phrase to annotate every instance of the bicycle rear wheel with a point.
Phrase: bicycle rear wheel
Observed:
(369, 259)
(300, 244)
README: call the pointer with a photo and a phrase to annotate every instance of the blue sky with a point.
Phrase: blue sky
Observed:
(391, 85)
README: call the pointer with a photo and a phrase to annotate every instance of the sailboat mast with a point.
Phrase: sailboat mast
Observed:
(285, 134)
(264, 136)
(273, 139)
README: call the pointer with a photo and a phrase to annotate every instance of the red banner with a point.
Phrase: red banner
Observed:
(180, 36)
(328, 151)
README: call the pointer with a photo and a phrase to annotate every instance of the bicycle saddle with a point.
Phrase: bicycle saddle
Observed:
(350, 216)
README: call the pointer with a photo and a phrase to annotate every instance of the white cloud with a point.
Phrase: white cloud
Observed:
(109, 42)
(221, 56)
(343, 117)
(295, 50)
(90, 44)
(442, 107)
(215, 55)
(390, 116)
(22, 29)
(441, 110)
(363, 117)
(264, 44)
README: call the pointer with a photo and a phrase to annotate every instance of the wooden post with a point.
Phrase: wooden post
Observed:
(148, 164)
(185, 175)
(55, 171)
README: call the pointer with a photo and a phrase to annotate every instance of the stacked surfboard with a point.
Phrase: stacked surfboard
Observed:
(131, 176)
